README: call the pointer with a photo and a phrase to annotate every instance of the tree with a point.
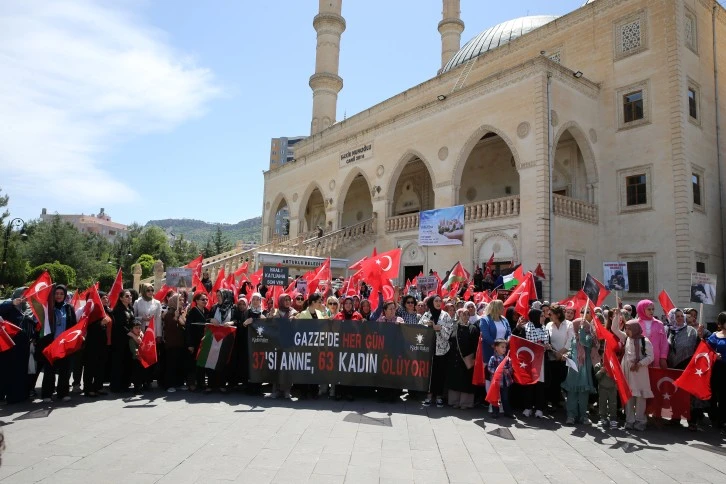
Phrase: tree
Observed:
(220, 242)
(59, 273)
(15, 269)
(153, 241)
(146, 261)
(208, 250)
(184, 250)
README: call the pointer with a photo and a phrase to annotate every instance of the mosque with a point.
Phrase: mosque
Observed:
(570, 141)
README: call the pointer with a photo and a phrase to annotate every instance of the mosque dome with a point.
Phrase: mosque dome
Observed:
(497, 36)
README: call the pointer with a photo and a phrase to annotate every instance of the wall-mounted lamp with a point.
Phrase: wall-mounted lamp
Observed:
(440, 97)
(577, 74)
(376, 190)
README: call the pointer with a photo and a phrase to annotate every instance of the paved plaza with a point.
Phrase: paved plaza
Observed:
(188, 438)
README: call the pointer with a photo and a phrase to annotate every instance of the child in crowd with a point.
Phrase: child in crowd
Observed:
(137, 369)
(638, 355)
(500, 348)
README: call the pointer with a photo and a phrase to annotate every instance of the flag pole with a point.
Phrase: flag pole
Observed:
(700, 314)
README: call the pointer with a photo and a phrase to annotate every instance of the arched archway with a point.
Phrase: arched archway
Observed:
(486, 167)
(574, 171)
(354, 201)
(312, 209)
(411, 188)
(280, 217)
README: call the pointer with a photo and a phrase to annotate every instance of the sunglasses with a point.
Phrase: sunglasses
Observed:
(126, 295)
(332, 304)
(410, 302)
(299, 299)
(149, 290)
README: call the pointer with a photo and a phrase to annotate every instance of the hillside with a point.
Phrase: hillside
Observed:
(199, 231)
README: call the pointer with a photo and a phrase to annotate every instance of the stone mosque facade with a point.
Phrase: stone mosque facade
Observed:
(570, 141)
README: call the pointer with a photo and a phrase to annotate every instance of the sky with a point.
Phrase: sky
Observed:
(158, 109)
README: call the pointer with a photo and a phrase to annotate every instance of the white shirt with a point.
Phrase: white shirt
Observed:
(560, 337)
(143, 308)
(501, 328)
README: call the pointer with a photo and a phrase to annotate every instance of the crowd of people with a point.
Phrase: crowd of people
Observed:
(110, 353)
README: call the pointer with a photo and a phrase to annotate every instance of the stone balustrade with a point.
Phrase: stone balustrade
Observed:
(402, 223)
(575, 209)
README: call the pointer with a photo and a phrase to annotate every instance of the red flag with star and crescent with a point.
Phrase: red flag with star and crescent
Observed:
(116, 288)
(520, 297)
(385, 265)
(196, 266)
(479, 376)
(38, 296)
(7, 331)
(495, 388)
(696, 378)
(527, 360)
(147, 350)
(68, 342)
(665, 301)
(668, 400)
(489, 265)
(615, 371)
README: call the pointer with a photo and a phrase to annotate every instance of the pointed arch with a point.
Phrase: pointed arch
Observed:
(277, 203)
(588, 155)
(408, 156)
(347, 182)
(305, 200)
(472, 141)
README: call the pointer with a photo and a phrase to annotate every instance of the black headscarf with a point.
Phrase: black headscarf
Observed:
(534, 317)
(65, 292)
(224, 306)
(435, 313)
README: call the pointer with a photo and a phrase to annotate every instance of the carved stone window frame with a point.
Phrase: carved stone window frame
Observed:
(575, 255)
(623, 174)
(693, 85)
(648, 257)
(620, 93)
(690, 19)
(697, 170)
(641, 16)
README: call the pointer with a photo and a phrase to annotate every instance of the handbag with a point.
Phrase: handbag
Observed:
(468, 359)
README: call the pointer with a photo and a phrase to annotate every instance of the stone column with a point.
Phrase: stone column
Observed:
(450, 29)
(136, 270)
(158, 274)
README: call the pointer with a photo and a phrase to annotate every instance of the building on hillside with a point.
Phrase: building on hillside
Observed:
(100, 223)
(569, 140)
(282, 150)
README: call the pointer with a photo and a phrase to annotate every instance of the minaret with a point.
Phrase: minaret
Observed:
(450, 29)
(325, 83)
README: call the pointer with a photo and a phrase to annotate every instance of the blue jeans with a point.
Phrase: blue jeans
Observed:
(504, 398)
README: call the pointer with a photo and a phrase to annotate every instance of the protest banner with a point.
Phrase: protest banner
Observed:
(275, 275)
(442, 226)
(340, 352)
(179, 277)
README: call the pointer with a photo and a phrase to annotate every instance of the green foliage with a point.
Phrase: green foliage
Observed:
(146, 262)
(198, 231)
(220, 242)
(59, 273)
(106, 276)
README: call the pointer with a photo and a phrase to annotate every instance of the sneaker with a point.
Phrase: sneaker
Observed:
(570, 421)
(426, 403)
(171, 390)
(628, 426)
(614, 424)
(527, 412)
(640, 426)
(491, 408)
(439, 403)
(66, 399)
(538, 414)
(287, 396)
(605, 423)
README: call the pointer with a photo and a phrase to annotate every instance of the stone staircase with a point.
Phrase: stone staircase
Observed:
(333, 244)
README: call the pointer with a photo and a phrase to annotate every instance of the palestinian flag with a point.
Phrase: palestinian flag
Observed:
(513, 279)
(457, 275)
(216, 347)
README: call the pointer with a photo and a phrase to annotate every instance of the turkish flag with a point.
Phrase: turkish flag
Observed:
(256, 277)
(576, 302)
(242, 269)
(495, 388)
(668, 400)
(539, 272)
(68, 342)
(352, 288)
(147, 350)
(161, 293)
(196, 266)
(611, 341)
(520, 297)
(383, 265)
(696, 378)
(93, 310)
(489, 265)
(116, 288)
(613, 368)
(319, 276)
(38, 296)
(479, 378)
(216, 287)
(595, 290)
(7, 331)
(665, 301)
(527, 360)
(357, 266)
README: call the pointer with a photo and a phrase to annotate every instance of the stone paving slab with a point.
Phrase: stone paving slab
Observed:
(193, 438)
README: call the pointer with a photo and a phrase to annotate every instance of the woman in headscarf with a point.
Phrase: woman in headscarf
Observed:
(682, 342)
(464, 341)
(298, 301)
(123, 321)
(62, 317)
(221, 313)
(579, 384)
(175, 340)
(197, 318)
(535, 395)
(365, 310)
(638, 355)
(348, 312)
(15, 381)
(471, 309)
(654, 330)
(441, 322)
(247, 316)
(95, 352)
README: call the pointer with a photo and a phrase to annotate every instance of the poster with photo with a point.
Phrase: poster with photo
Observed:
(615, 276)
(442, 226)
(703, 288)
